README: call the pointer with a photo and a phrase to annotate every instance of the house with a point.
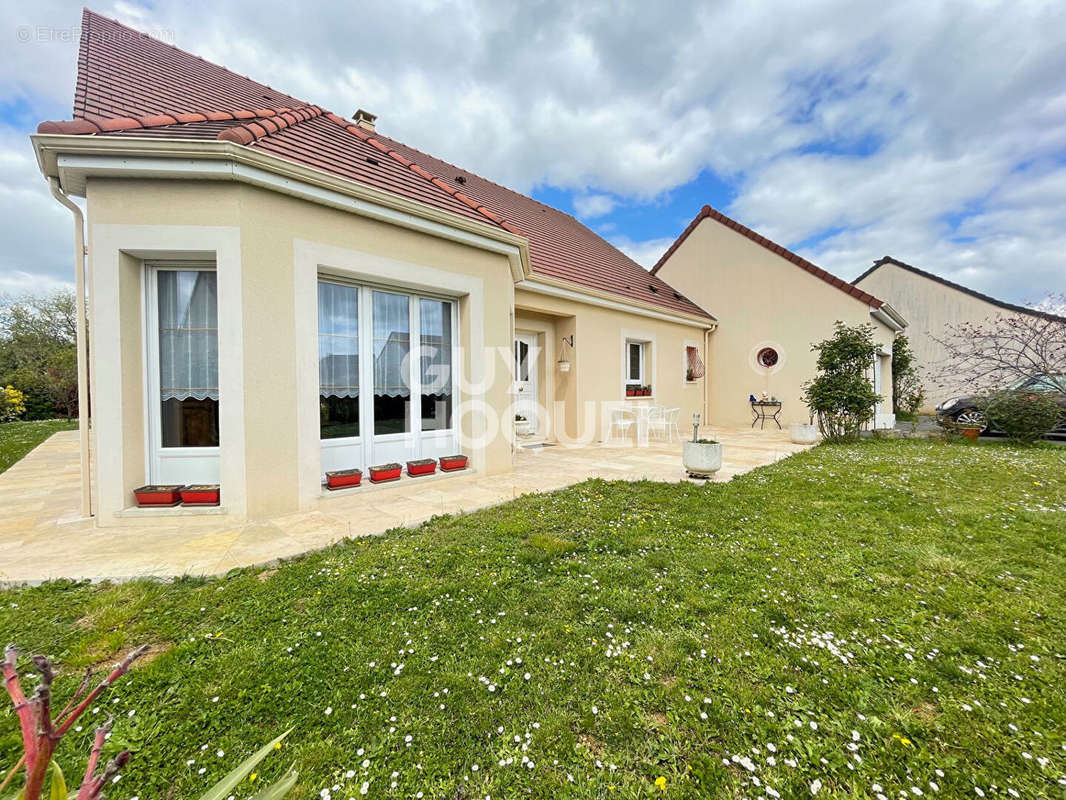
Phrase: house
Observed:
(277, 291)
(772, 305)
(931, 303)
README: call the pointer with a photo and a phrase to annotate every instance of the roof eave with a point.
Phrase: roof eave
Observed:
(73, 158)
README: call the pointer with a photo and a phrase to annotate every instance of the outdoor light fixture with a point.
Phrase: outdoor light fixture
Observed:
(696, 426)
(564, 363)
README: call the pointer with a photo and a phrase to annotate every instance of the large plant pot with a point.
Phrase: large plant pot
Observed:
(156, 496)
(453, 463)
(802, 433)
(385, 472)
(423, 466)
(970, 433)
(343, 478)
(523, 427)
(702, 459)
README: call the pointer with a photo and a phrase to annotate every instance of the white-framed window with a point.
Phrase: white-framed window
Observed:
(636, 359)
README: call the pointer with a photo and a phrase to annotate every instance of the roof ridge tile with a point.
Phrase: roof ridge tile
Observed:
(111, 124)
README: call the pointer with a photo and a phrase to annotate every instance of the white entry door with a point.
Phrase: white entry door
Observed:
(526, 358)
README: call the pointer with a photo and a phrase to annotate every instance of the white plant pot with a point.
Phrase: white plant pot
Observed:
(701, 458)
(523, 428)
(564, 365)
(802, 433)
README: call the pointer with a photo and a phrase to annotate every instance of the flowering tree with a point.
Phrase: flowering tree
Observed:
(1002, 351)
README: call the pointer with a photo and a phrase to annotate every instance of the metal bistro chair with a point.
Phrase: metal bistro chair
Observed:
(621, 422)
(663, 425)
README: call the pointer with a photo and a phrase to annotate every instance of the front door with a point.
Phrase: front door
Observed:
(526, 357)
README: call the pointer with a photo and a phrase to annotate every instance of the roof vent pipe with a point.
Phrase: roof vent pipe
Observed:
(364, 119)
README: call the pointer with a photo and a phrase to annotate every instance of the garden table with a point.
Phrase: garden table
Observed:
(762, 410)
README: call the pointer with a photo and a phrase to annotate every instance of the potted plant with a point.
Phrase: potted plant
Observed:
(645, 391)
(563, 365)
(453, 463)
(158, 496)
(701, 457)
(204, 494)
(522, 426)
(803, 432)
(971, 432)
(423, 466)
(343, 478)
(383, 473)
(631, 391)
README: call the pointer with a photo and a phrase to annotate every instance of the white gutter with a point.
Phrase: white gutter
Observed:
(80, 251)
(74, 158)
(889, 317)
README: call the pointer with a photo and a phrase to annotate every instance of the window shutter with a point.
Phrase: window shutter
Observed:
(693, 362)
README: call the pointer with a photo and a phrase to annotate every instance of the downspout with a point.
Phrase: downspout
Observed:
(80, 251)
(707, 375)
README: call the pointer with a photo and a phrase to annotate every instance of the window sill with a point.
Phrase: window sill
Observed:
(136, 512)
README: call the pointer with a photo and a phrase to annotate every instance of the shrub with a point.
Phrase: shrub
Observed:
(907, 392)
(1025, 417)
(841, 394)
(12, 404)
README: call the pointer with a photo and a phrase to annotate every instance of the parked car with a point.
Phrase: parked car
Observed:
(965, 411)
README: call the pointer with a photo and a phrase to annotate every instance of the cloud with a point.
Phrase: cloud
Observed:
(645, 253)
(848, 129)
(589, 206)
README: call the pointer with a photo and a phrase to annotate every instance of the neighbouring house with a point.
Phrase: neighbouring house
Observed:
(772, 305)
(930, 304)
(277, 291)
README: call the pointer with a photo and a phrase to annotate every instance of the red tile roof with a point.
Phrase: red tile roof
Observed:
(710, 213)
(130, 84)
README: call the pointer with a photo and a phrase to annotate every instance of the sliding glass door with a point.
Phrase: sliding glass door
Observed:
(401, 348)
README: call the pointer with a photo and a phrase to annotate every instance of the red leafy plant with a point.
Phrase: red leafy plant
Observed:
(42, 732)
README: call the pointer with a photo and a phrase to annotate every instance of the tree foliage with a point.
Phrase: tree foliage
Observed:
(841, 394)
(38, 355)
(907, 392)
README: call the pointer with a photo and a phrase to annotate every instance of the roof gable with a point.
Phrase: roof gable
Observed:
(130, 84)
(888, 260)
(710, 213)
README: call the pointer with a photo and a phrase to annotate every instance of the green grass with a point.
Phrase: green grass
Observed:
(18, 438)
(886, 613)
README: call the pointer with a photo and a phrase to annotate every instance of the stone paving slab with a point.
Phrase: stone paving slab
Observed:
(42, 536)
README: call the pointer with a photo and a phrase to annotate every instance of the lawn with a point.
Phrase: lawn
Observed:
(883, 619)
(18, 438)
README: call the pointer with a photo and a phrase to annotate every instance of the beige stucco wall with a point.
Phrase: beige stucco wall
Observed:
(762, 300)
(929, 307)
(270, 227)
(582, 398)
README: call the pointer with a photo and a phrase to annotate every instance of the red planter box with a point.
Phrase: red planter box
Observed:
(158, 496)
(424, 466)
(452, 463)
(344, 478)
(202, 495)
(385, 472)
(631, 392)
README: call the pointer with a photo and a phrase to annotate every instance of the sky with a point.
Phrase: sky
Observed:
(931, 132)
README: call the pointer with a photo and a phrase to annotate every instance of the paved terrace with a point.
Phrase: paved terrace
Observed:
(42, 537)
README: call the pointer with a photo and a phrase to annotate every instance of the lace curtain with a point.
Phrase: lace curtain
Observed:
(392, 345)
(338, 340)
(436, 347)
(188, 334)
